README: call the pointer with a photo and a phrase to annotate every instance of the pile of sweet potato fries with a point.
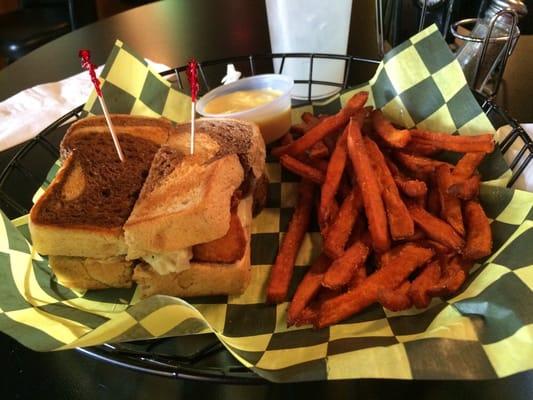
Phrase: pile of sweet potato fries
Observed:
(398, 226)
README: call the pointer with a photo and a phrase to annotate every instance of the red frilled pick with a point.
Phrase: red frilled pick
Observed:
(86, 64)
(192, 76)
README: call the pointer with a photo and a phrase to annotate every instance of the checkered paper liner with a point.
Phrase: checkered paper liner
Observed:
(485, 331)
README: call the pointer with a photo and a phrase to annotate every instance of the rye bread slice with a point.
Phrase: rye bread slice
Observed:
(82, 212)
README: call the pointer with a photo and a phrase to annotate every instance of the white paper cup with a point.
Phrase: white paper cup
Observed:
(310, 26)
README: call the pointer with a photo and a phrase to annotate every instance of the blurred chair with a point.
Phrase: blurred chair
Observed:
(37, 22)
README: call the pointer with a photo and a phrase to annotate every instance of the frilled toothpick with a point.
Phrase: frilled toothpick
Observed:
(192, 76)
(85, 56)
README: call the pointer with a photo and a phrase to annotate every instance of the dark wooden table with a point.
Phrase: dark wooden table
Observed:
(171, 32)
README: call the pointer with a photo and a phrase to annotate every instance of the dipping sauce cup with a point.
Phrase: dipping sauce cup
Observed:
(263, 99)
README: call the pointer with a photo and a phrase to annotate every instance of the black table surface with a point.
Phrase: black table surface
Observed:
(171, 32)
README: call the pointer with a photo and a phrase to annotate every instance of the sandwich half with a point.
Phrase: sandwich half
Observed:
(78, 221)
(191, 225)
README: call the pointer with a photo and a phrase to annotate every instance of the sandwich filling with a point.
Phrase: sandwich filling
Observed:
(225, 250)
(170, 262)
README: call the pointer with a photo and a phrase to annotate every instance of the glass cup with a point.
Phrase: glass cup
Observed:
(310, 26)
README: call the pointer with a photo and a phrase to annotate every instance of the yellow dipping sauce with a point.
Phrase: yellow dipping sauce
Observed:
(241, 100)
(272, 125)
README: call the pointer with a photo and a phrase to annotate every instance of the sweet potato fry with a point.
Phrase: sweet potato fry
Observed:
(418, 235)
(418, 238)
(465, 189)
(397, 138)
(328, 125)
(420, 149)
(450, 206)
(334, 173)
(466, 265)
(453, 276)
(360, 116)
(321, 165)
(418, 165)
(307, 288)
(401, 224)
(410, 187)
(282, 270)
(436, 228)
(302, 169)
(433, 201)
(309, 118)
(286, 139)
(395, 299)
(308, 121)
(461, 144)
(438, 247)
(389, 276)
(279, 150)
(319, 151)
(420, 200)
(478, 233)
(309, 315)
(325, 226)
(299, 129)
(369, 184)
(386, 258)
(342, 270)
(342, 225)
(420, 287)
(358, 277)
(467, 165)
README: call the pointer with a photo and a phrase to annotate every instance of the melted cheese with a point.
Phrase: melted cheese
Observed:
(168, 263)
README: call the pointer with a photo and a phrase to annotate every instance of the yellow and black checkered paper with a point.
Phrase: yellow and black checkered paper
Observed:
(483, 332)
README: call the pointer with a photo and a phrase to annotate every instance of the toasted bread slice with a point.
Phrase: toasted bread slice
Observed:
(183, 205)
(186, 199)
(92, 273)
(216, 137)
(82, 212)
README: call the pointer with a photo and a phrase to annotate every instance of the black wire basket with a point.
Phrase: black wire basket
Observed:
(201, 357)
